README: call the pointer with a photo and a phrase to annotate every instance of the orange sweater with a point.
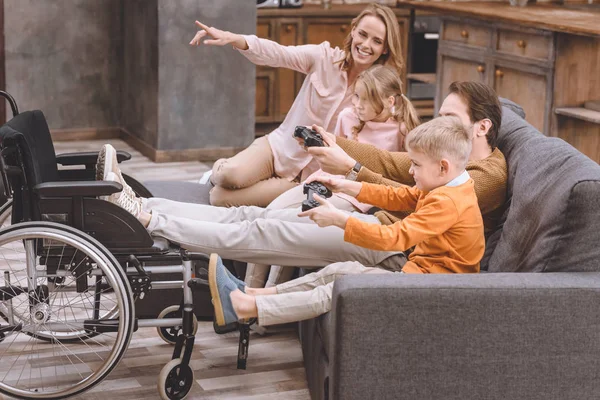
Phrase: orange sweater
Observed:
(446, 227)
(391, 168)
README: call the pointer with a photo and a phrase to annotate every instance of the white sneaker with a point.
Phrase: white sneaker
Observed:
(126, 198)
(107, 162)
(205, 177)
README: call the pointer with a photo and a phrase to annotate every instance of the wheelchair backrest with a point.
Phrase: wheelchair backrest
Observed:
(28, 159)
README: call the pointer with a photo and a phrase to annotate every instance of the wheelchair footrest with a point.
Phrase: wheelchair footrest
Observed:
(244, 343)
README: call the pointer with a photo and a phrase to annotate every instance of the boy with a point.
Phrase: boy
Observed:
(446, 227)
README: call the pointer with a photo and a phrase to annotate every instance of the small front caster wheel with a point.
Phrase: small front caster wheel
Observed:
(175, 380)
(169, 334)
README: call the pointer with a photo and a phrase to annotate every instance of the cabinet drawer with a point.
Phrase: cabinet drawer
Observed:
(472, 35)
(524, 44)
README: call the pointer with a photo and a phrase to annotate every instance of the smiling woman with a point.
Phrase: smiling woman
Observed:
(275, 163)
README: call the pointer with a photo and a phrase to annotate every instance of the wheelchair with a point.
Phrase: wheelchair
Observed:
(72, 266)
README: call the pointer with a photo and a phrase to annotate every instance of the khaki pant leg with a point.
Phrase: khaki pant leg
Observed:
(266, 240)
(308, 296)
(258, 194)
(253, 164)
(256, 275)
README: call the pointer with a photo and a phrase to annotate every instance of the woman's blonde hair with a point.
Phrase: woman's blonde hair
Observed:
(380, 83)
(392, 43)
(442, 137)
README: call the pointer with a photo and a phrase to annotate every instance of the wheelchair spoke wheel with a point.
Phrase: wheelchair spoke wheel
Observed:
(6, 214)
(66, 311)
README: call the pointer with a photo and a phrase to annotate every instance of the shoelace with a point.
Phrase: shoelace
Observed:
(129, 202)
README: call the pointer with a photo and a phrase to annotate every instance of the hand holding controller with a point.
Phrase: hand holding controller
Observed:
(310, 137)
(312, 188)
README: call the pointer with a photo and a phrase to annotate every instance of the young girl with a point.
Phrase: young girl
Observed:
(382, 116)
(274, 164)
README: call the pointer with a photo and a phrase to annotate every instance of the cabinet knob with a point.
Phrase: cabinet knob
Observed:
(480, 69)
(288, 28)
(499, 73)
(344, 28)
(521, 43)
(464, 34)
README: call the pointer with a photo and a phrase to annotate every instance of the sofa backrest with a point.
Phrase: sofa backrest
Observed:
(552, 221)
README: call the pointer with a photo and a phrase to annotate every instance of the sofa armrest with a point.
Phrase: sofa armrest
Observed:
(493, 336)
(87, 158)
(77, 188)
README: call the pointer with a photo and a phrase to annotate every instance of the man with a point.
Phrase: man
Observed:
(280, 237)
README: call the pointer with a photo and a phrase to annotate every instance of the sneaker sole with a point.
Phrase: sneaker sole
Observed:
(109, 155)
(100, 164)
(214, 291)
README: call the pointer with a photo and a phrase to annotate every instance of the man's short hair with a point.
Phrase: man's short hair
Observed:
(442, 137)
(482, 102)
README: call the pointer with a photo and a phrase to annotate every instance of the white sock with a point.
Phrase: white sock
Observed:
(205, 177)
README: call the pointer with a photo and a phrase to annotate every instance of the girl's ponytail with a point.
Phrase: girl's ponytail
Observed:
(406, 112)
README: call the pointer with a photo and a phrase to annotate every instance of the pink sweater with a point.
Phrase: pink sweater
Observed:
(322, 96)
(384, 135)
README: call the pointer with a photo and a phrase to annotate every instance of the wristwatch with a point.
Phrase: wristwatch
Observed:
(353, 173)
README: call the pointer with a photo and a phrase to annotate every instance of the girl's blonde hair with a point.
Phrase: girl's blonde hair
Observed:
(381, 83)
(393, 39)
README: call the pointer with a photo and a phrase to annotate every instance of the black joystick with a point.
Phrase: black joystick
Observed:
(311, 138)
(309, 190)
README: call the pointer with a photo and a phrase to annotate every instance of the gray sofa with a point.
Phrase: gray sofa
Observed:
(494, 335)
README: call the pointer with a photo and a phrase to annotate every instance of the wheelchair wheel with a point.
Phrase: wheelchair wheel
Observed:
(170, 334)
(175, 380)
(64, 287)
(6, 213)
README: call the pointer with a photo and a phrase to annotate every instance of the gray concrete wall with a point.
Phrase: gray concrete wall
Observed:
(140, 70)
(206, 93)
(127, 63)
(64, 58)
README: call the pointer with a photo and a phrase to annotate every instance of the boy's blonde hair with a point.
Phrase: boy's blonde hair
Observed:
(442, 137)
(380, 83)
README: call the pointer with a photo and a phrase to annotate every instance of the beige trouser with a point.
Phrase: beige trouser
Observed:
(256, 274)
(248, 178)
(259, 235)
(308, 296)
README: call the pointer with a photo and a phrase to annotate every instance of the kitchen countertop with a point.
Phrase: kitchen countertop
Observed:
(576, 19)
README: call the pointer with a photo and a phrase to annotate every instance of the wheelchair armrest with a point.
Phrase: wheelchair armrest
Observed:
(87, 158)
(77, 188)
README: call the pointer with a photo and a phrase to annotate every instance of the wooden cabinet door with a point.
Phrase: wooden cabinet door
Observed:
(526, 87)
(265, 92)
(334, 31)
(288, 81)
(451, 68)
(265, 78)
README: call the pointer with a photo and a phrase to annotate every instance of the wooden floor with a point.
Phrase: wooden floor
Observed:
(275, 369)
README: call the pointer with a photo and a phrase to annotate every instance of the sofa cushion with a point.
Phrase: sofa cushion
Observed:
(186, 192)
(553, 214)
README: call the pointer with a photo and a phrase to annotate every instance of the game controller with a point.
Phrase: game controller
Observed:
(311, 138)
(309, 190)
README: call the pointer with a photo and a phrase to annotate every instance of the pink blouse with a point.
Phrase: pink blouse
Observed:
(322, 96)
(384, 135)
